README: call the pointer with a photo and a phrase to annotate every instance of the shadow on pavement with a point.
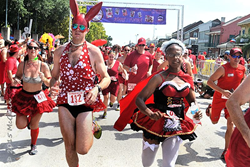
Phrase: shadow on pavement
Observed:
(185, 159)
(17, 149)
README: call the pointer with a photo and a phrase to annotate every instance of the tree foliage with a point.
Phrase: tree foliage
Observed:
(50, 16)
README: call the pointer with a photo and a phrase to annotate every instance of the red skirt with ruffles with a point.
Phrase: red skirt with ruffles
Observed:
(10, 91)
(24, 103)
(155, 129)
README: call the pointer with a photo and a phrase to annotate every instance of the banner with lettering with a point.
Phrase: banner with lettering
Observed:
(130, 15)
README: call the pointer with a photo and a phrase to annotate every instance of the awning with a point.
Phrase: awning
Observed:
(213, 33)
(227, 45)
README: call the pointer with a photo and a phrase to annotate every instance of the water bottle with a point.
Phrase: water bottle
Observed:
(136, 68)
(194, 108)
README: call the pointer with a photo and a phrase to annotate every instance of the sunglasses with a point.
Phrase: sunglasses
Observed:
(81, 27)
(141, 45)
(31, 47)
(174, 55)
(126, 50)
(234, 56)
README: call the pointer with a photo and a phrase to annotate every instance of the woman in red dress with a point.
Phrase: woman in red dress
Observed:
(114, 67)
(164, 120)
(31, 102)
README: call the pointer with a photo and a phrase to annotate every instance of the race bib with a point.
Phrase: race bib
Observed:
(76, 98)
(131, 86)
(40, 97)
(173, 123)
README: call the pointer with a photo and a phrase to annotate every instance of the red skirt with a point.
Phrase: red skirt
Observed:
(155, 129)
(11, 91)
(24, 103)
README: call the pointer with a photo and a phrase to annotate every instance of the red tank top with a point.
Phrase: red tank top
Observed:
(232, 78)
(77, 78)
(113, 72)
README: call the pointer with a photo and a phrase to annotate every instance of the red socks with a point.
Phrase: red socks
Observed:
(34, 135)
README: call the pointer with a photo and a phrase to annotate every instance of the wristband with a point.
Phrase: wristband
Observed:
(99, 88)
(130, 69)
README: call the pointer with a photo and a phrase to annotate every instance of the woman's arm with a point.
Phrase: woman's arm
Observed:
(147, 91)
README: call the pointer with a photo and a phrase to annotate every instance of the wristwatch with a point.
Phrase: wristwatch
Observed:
(99, 88)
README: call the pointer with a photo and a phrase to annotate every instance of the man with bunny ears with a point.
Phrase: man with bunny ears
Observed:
(76, 64)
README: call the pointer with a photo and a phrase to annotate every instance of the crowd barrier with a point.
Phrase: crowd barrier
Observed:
(205, 68)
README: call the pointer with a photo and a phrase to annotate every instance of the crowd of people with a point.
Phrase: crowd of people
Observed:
(153, 87)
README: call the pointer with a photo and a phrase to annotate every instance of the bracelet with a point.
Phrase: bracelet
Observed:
(99, 88)
(130, 69)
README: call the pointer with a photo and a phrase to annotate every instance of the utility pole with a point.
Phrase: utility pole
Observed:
(6, 15)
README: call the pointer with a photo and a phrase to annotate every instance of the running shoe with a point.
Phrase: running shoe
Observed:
(118, 107)
(97, 129)
(33, 150)
(111, 104)
(223, 155)
(104, 115)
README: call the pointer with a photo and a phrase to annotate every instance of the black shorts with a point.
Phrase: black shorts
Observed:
(75, 110)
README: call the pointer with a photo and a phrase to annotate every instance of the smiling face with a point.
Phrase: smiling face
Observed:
(32, 49)
(174, 55)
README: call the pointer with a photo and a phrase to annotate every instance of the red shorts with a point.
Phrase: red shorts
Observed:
(217, 105)
(112, 89)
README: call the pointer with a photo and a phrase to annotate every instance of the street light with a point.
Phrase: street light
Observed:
(136, 35)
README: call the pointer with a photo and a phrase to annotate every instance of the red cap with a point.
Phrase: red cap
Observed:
(146, 48)
(235, 50)
(189, 51)
(204, 53)
(152, 45)
(141, 41)
(14, 48)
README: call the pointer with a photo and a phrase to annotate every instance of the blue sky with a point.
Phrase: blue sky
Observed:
(194, 10)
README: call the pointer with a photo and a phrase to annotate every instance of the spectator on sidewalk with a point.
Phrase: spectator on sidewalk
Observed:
(203, 89)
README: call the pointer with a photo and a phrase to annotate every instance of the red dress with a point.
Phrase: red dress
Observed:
(81, 77)
(114, 85)
(168, 98)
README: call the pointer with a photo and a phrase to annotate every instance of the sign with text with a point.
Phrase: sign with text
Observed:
(109, 14)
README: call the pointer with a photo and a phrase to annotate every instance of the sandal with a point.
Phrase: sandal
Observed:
(208, 110)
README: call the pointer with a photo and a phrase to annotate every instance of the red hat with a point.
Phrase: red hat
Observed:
(81, 18)
(141, 41)
(152, 45)
(146, 48)
(189, 51)
(235, 50)
(14, 48)
(204, 53)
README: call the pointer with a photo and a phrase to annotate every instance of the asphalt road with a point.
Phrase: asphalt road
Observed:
(114, 149)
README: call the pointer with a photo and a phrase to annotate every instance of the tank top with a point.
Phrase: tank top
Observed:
(113, 72)
(232, 78)
(78, 78)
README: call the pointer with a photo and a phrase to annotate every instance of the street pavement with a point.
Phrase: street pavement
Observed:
(114, 149)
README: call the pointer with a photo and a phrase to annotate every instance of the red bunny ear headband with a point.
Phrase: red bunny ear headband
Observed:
(80, 18)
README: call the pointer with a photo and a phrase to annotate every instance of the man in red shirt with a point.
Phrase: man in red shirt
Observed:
(229, 77)
(10, 71)
(152, 49)
(138, 64)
